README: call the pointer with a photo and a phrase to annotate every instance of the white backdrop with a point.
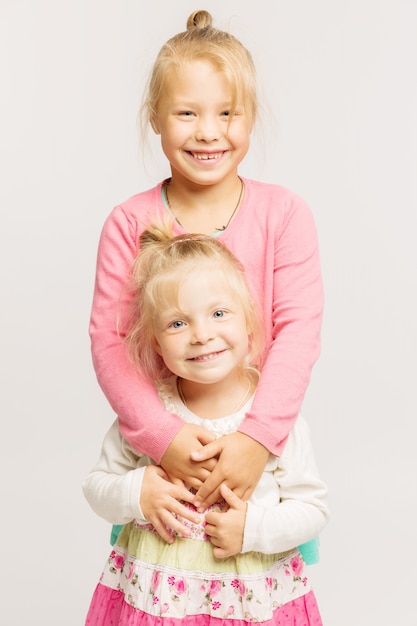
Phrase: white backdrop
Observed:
(339, 87)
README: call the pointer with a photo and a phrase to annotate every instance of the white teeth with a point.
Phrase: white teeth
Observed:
(205, 357)
(206, 157)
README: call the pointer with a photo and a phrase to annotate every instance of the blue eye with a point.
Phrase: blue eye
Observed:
(177, 324)
(219, 314)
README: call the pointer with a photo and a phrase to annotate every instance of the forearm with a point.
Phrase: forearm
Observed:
(277, 402)
(143, 421)
(282, 528)
(124, 486)
(294, 337)
(115, 498)
(298, 511)
(114, 484)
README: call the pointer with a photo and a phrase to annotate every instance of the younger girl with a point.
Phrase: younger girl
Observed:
(196, 333)
(201, 100)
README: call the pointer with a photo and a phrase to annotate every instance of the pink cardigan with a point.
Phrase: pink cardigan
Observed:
(274, 236)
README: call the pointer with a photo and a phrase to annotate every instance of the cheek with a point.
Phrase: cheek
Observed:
(243, 337)
(242, 136)
(169, 348)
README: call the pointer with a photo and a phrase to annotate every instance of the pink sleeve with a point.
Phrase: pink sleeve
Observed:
(297, 305)
(143, 420)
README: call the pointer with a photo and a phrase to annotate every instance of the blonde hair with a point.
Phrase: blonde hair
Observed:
(157, 272)
(202, 41)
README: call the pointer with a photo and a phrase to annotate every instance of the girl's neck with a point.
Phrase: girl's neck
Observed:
(205, 209)
(212, 401)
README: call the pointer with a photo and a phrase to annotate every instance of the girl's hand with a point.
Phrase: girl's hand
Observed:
(160, 499)
(226, 529)
(177, 460)
(241, 461)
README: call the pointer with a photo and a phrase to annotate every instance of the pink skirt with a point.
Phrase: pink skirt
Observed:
(147, 582)
(108, 608)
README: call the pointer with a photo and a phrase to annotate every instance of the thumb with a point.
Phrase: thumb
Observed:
(205, 437)
(231, 498)
(208, 451)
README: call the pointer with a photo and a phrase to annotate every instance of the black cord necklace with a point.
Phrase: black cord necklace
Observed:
(217, 229)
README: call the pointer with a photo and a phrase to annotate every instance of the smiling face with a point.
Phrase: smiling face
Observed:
(202, 135)
(203, 336)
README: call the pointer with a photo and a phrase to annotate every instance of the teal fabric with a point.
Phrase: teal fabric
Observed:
(115, 532)
(309, 550)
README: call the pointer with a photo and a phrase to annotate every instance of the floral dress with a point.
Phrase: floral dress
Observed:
(147, 582)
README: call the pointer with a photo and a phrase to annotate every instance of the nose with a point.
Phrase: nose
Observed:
(201, 333)
(207, 129)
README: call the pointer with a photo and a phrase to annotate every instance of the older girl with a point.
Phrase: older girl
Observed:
(201, 100)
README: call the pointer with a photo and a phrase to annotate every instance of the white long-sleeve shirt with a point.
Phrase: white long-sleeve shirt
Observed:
(287, 508)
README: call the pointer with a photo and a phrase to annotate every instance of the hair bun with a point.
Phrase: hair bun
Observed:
(199, 19)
